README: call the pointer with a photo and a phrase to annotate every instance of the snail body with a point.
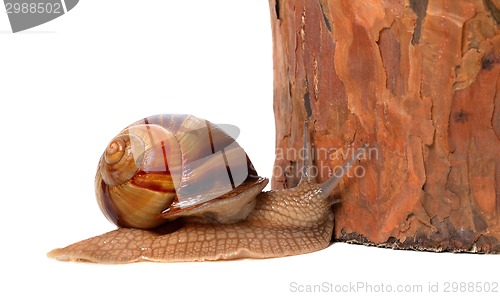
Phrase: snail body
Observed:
(149, 166)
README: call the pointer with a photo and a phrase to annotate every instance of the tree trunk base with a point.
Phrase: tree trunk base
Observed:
(418, 81)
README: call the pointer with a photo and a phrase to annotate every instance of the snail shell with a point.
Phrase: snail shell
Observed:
(168, 166)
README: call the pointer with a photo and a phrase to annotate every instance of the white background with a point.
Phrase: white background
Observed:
(68, 86)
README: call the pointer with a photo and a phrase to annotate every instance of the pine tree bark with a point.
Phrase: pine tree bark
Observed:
(418, 81)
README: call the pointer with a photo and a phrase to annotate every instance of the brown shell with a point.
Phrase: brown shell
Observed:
(169, 166)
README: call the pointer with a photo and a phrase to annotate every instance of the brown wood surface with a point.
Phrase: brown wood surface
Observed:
(418, 81)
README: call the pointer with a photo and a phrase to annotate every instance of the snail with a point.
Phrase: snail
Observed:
(181, 189)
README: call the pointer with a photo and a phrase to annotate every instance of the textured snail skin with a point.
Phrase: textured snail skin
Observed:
(284, 222)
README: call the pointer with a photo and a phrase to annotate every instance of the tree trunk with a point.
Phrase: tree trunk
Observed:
(415, 79)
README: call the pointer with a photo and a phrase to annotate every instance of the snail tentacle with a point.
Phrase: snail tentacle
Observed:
(307, 164)
(330, 184)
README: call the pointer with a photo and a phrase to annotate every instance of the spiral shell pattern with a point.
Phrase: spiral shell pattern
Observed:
(168, 164)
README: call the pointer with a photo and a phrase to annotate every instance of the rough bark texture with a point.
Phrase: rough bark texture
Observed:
(415, 79)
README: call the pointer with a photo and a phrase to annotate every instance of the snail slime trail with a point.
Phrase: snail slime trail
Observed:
(181, 189)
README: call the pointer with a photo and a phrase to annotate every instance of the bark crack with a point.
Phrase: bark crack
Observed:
(495, 13)
(497, 199)
(307, 100)
(420, 9)
(494, 115)
(315, 79)
(303, 28)
(327, 22)
(277, 9)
